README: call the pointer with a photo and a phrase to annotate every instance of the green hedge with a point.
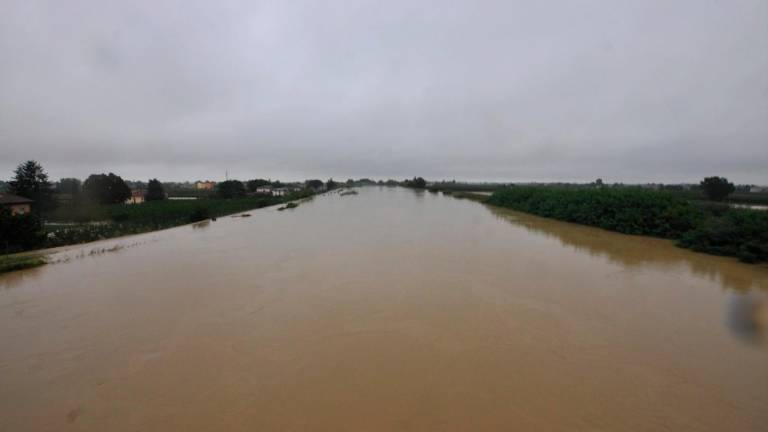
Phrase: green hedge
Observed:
(742, 233)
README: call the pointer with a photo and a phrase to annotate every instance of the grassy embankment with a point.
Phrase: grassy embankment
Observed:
(9, 263)
(704, 227)
(89, 222)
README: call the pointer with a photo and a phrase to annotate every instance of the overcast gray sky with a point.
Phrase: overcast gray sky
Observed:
(625, 90)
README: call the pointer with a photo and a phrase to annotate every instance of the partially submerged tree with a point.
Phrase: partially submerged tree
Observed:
(155, 191)
(717, 188)
(31, 181)
(106, 189)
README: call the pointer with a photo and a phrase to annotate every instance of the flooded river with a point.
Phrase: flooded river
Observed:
(391, 310)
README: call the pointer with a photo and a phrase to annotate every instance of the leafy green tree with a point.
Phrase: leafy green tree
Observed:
(106, 189)
(31, 181)
(69, 190)
(330, 184)
(71, 186)
(716, 188)
(155, 191)
(230, 189)
(252, 185)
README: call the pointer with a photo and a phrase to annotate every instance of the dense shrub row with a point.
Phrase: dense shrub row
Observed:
(742, 233)
(718, 230)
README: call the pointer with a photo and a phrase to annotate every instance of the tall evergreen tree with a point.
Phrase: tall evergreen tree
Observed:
(31, 181)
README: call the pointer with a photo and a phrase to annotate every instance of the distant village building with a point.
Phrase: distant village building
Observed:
(18, 205)
(205, 185)
(758, 189)
(137, 197)
(265, 190)
(280, 191)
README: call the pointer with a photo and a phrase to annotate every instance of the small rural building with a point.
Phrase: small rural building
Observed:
(137, 197)
(205, 185)
(265, 190)
(280, 191)
(17, 204)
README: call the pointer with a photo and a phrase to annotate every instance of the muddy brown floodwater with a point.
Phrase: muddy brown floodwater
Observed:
(390, 310)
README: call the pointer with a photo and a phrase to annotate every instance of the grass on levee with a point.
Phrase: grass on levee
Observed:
(89, 222)
(9, 263)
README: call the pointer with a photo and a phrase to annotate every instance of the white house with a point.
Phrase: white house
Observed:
(280, 191)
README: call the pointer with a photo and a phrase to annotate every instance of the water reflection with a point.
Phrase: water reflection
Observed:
(202, 224)
(16, 278)
(747, 311)
(638, 251)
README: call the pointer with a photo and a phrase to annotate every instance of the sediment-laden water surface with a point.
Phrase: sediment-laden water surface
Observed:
(388, 310)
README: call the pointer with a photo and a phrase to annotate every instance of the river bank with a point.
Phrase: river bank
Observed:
(87, 223)
(703, 227)
(21, 261)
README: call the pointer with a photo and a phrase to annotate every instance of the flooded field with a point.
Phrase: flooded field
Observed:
(385, 311)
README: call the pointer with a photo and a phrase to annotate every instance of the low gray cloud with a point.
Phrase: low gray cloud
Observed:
(489, 90)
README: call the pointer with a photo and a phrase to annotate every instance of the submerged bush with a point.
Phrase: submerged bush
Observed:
(200, 213)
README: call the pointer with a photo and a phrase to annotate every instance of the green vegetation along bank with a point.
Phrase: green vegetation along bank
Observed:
(90, 222)
(704, 227)
(9, 263)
